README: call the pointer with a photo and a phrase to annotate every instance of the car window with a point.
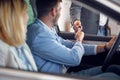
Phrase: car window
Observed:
(93, 20)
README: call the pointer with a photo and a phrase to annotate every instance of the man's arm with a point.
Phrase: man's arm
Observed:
(106, 46)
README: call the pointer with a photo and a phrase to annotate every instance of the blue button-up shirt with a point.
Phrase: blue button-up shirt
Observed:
(51, 52)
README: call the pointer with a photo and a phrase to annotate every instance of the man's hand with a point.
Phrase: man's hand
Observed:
(105, 47)
(79, 35)
(110, 43)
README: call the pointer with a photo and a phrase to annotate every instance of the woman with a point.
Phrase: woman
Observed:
(14, 53)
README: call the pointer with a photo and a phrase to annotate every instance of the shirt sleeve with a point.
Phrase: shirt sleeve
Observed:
(90, 49)
(67, 43)
(52, 50)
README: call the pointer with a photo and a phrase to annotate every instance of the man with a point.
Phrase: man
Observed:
(52, 53)
(92, 22)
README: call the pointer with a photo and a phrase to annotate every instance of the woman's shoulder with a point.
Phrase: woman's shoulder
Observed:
(3, 46)
(4, 53)
(5, 49)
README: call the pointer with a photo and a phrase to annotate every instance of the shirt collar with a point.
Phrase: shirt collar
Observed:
(43, 25)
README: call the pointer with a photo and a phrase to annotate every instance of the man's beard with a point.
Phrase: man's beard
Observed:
(55, 20)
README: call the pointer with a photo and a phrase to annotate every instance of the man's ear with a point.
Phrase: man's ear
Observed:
(53, 11)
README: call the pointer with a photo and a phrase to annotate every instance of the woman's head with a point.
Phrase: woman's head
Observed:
(13, 21)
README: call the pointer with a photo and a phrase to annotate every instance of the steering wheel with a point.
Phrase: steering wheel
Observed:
(111, 53)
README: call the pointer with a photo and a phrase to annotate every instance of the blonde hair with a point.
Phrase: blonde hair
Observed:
(12, 28)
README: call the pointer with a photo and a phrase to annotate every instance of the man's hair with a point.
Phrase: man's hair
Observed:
(44, 6)
(12, 28)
